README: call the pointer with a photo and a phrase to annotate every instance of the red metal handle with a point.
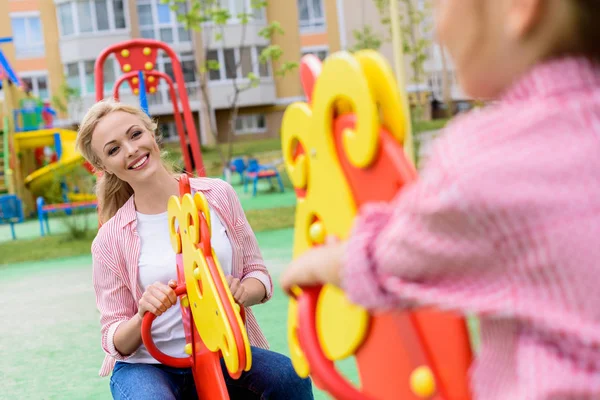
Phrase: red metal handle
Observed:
(151, 346)
(322, 369)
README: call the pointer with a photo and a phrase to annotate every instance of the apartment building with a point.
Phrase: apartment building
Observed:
(57, 42)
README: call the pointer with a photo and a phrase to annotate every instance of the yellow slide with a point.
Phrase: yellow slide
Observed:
(69, 160)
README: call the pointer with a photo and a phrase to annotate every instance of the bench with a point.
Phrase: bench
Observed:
(11, 211)
(45, 209)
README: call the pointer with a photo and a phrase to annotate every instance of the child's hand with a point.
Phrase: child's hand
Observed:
(319, 265)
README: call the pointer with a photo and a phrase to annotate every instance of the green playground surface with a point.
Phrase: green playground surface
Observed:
(50, 327)
(265, 199)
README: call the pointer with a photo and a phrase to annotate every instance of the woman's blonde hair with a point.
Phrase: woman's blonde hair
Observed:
(111, 191)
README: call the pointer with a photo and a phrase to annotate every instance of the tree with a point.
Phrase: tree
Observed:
(210, 17)
(366, 39)
(416, 31)
(67, 98)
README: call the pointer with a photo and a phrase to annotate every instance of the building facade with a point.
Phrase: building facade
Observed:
(56, 42)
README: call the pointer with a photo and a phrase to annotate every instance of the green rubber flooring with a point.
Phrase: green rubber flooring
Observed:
(50, 331)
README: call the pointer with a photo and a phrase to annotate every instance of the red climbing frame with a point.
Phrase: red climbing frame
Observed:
(140, 55)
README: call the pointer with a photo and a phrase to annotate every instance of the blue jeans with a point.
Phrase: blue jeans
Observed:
(271, 377)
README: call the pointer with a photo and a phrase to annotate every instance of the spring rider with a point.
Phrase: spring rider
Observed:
(213, 322)
(345, 144)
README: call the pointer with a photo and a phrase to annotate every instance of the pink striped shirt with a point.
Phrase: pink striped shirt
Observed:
(504, 222)
(116, 251)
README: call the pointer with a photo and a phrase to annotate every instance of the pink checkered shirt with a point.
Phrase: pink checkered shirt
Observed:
(116, 251)
(504, 222)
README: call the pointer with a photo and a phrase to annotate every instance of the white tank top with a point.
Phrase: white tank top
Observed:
(157, 263)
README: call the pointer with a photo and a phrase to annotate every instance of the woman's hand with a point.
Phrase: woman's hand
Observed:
(247, 293)
(157, 298)
(319, 265)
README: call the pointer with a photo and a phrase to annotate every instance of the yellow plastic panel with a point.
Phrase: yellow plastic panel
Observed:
(327, 207)
(342, 325)
(205, 304)
(385, 91)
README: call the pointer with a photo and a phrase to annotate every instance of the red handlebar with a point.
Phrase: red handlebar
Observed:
(323, 369)
(149, 343)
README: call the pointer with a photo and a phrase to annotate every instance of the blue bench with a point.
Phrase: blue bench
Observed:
(11, 212)
(45, 209)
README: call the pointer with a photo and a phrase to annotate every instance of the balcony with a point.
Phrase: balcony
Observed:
(221, 93)
(160, 103)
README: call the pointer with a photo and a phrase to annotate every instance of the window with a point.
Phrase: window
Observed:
(80, 75)
(213, 74)
(236, 7)
(88, 16)
(28, 36)
(188, 66)
(250, 123)
(263, 68)
(72, 76)
(229, 57)
(38, 85)
(65, 19)
(311, 14)
(248, 59)
(168, 131)
(320, 52)
(158, 21)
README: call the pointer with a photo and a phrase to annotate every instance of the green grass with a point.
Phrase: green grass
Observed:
(63, 246)
(212, 160)
(435, 124)
(44, 248)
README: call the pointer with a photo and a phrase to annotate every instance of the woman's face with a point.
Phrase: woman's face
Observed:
(126, 148)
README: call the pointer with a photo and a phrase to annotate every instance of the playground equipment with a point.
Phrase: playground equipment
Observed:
(67, 158)
(137, 59)
(27, 128)
(253, 171)
(346, 143)
(213, 322)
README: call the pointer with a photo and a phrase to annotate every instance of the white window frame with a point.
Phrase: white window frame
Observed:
(250, 124)
(163, 87)
(174, 25)
(81, 75)
(111, 19)
(34, 75)
(26, 15)
(171, 134)
(315, 49)
(230, 5)
(255, 56)
(313, 24)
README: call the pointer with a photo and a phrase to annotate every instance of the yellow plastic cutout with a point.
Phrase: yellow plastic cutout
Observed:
(342, 79)
(296, 116)
(343, 324)
(298, 359)
(341, 87)
(384, 91)
(206, 306)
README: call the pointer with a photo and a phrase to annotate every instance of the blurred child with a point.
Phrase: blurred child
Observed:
(504, 221)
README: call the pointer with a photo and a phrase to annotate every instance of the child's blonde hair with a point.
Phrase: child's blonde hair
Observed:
(111, 191)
